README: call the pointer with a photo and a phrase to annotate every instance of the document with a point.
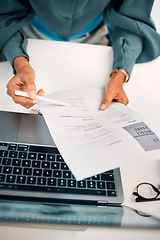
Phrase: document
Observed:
(92, 141)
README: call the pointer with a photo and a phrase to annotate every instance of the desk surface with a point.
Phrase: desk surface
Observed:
(89, 66)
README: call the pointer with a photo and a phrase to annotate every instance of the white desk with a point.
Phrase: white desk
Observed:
(62, 66)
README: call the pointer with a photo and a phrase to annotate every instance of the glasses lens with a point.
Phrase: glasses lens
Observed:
(147, 191)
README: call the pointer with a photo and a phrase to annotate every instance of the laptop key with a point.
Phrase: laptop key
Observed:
(0, 169)
(59, 158)
(100, 185)
(3, 153)
(55, 165)
(82, 184)
(51, 182)
(107, 177)
(22, 148)
(12, 146)
(61, 182)
(6, 161)
(37, 172)
(31, 180)
(36, 164)
(3, 144)
(26, 163)
(17, 170)
(45, 164)
(27, 171)
(2, 178)
(22, 155)
(41, 181)
(57, 173)
(41, 156)
(7, 169)
(16, 162)
(64, 166)
(91, 184)
(71, 183)
(66, 174)
(111, 193)
(21, 179)
(47, 173)
(13, 154)
(32, 156)
(51, 157)
(110, 185)
(11, 178)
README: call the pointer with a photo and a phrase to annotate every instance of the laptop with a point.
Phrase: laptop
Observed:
(32, 168)
(37, 187)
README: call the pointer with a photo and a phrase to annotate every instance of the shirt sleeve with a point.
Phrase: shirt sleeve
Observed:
(133, 34)
(13, 17)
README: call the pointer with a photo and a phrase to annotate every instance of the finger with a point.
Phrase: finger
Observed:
(40, 92)
(106, 101)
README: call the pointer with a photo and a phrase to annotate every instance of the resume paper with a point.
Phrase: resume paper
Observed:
(92, 141)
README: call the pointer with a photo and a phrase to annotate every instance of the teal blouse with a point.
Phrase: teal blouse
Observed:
(134, 37)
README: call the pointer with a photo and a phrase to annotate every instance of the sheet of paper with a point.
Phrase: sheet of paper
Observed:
(93, 141)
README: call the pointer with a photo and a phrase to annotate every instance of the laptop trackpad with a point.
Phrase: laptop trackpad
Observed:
(33, 130)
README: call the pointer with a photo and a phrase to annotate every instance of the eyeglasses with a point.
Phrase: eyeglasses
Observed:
(146, 192)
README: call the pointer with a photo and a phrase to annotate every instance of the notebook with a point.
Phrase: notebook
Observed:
(32, 168)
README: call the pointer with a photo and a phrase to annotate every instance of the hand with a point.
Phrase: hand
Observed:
(23, 81)
(114, 91)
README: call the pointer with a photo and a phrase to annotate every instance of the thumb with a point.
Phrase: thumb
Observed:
(106, 102)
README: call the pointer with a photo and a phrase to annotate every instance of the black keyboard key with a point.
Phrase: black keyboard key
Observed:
(36, 164)
(32, 156)
(3, 144)
(17, 170)
(64, 166)
(22, 148)
(3, 153)
(45, 164)
(59, 158)
(57, 173)
(22, 155)
(51, 182)
(0, 160)
(111, 193)
(96, 177)
(2, 178)
(71, 183)
(62, 182)
(82, 184)
(27, 171)
(11, 179)
(101, 185)
(107, 177)
(91, 184)
(6, 161)
(26, 163)
(41, 156)
(66, 174)
(12, 146)
(51, 157)
(13, 154)
(16, 162)
(31, 180)
(47, 173)
(110, 185)
(108, 172)
(41, 149)
(37, 172)
(7, 169)
(21, 179)
(0, 169)
(41, 181)
(55, 165)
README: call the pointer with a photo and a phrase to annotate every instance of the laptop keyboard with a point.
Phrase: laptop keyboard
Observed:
(39, 168)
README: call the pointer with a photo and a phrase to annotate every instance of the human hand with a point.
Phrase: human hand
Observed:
(114, 91)
(23, 81)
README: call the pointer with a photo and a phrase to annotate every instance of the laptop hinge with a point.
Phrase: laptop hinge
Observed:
(102, 203)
